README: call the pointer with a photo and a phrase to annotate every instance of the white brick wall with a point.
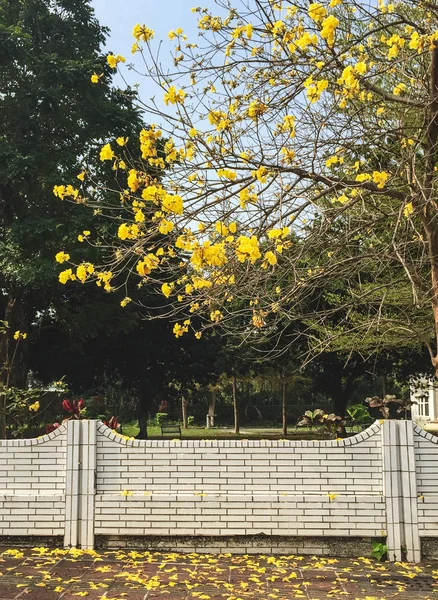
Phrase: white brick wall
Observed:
(426, 468)
(238, 514)
(32, 485)
(228, 487)
(83, 480)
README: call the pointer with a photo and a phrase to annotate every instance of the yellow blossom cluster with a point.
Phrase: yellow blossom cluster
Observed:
(65, 191)
(114, 60)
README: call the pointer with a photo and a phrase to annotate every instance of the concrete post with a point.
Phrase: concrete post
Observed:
(80, 484)
(400, 490)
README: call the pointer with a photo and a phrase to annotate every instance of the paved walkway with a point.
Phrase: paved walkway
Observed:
(47, 574)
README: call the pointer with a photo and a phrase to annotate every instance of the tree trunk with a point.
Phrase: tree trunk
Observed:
(284, 402)
(384, 386)
(2, 416)
(142, 418)
(184, 405)
(147, 395)
(211, 409)
(340, 401)
(235, 405)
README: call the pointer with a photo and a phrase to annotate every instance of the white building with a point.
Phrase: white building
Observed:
(425, 394)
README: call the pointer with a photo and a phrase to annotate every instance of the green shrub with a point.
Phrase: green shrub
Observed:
(379, 550)
(160, 418)
(359, 414)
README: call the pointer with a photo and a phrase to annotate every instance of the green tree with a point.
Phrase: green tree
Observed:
(53, 119)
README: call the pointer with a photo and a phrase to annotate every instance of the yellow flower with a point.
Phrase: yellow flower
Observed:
(174, 96)
(18, 335)
(141, 32)
(106, 153)
(332, 160)
(399, 89)
(248, 248)
(216, 316)
(227, 174)
(95, 77)
(179, 330)
(166, 289)
(62, 257)
(260, 174)
(81, 273)
(289, 125)
(408, 210)
(34, 407)
(165, 226)
(315, 90)
(317, 12)
(122, 141)
(66, 275)
(114, 60)
(270, 258)
(361, 68)
(258, 320)
(81, 176)
(256, 109)
(128, 232)
(328, 29)
(61, 191)
(173, 204)
(125, 301)
(126, 493)
(288, 155)
(343, 199)
(380, 178)
(363, 177)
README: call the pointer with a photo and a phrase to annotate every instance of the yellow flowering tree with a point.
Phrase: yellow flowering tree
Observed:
(300, 147)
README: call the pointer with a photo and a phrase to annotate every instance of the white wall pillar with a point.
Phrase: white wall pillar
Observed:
(400, 490)
(72, 484)
(80, 484)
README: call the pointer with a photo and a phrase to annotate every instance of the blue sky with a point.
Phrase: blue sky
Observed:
(121, 16)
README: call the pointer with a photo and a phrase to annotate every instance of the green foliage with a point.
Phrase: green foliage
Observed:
(358, 414)
(325, 423)
(24, 413)
(160, 419)
(379, 551)
(52, 121)
(190, 421)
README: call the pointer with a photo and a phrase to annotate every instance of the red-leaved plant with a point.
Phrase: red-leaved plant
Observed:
(51, 427)
(113, 423)
(74, 407)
